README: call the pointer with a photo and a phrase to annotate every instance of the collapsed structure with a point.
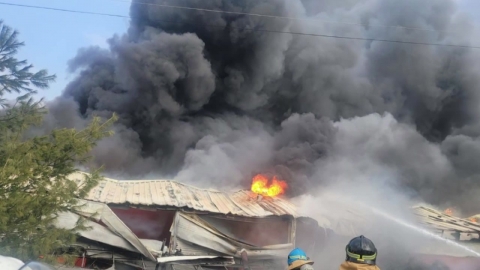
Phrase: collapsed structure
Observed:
(163, 224)
(464, 231)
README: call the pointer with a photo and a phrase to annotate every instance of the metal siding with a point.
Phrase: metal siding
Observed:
(153, 192)
(277, 207)
(189, 249)
(104, 192)
(271, 207)
(116, 194)
(97, 192)
(187, 196)
(224, 204)
(147, 195)
(170, 194)
(177, 195)
(129, 195)
(202, 201)
(239, 197)
(160, 194)
(166, 193)
(182, 267)
(248, 202)
(140, 195)
(122, 196)
(217, 200)
(201, 236)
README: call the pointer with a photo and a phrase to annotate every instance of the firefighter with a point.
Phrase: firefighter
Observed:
(298, 260)
(361, 254)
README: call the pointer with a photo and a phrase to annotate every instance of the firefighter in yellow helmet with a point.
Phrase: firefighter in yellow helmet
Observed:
(298, 260)
(361, 255)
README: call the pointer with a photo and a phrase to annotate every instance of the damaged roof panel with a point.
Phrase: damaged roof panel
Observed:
(167, 193)
(444, 222)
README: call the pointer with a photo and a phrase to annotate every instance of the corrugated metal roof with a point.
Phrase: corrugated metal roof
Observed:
(168, 193)
(443, 222)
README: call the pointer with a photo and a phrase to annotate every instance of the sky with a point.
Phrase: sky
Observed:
(53, 37)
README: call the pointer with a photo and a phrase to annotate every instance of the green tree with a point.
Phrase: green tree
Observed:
(34, 184)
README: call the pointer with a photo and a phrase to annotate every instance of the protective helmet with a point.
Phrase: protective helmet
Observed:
(296, 254)
(361, 250)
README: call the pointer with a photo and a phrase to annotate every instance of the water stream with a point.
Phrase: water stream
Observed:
(422, 231)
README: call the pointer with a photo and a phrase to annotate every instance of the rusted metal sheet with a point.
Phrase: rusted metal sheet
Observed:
(247, 201)
(168, 193)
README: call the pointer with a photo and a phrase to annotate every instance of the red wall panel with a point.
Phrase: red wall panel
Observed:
(147, 224)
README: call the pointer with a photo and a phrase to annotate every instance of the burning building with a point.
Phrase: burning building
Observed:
(164, 224)
(153, 224)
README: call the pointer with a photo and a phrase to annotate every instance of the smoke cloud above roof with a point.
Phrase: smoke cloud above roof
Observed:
(209, 98)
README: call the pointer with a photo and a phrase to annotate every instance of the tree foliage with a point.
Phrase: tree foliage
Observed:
(34, 182)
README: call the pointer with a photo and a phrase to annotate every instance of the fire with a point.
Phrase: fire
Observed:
(260, 185)
(449, 211)
(472, 219)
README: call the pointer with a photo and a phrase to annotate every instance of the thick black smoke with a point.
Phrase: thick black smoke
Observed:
(210, 97)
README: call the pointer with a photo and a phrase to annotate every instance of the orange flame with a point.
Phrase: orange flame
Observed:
(449, 211)
(474, 220)
(260, 186)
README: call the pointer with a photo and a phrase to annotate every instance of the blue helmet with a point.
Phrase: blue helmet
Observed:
(296, 254)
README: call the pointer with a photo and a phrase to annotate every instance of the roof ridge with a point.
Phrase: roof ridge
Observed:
(136, 192)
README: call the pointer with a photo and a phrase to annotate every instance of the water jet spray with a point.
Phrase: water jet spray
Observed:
(420, 230)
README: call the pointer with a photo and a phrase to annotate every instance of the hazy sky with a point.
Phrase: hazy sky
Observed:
(53, 37)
